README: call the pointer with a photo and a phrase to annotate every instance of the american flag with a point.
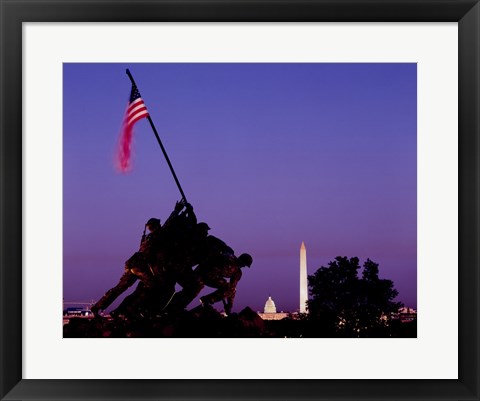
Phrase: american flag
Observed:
(136, 110)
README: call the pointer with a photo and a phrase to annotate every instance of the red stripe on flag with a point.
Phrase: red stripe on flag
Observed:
(135, 104)
(125, 148)
(137, 111)
(137, 116)
(133, 120)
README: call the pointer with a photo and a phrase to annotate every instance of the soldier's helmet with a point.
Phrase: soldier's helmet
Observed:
(203, 226)
(153, 223)
(245, 259)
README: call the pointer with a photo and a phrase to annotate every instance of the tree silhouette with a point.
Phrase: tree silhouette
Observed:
(343, 304)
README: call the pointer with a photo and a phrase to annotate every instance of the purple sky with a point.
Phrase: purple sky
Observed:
(269, 155)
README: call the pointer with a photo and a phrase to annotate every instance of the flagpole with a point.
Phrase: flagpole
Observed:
(161, 145)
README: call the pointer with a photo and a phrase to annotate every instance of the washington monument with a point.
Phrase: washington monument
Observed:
(303, 279)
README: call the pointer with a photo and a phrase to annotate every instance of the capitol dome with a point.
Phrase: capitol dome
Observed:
(270, 306)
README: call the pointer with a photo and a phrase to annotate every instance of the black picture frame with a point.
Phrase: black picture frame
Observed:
(15, 12)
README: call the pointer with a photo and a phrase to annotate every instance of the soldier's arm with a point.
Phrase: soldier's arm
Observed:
(232, 290)
(176, 211)
(190, 214)
(126, 281)
(235, 277)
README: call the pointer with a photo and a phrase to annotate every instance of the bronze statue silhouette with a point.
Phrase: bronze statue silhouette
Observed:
(215, 271)
(167, 256)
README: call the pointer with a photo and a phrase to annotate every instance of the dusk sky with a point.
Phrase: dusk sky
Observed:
(268, 154)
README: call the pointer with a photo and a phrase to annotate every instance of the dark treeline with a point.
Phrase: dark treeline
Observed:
(343, 303)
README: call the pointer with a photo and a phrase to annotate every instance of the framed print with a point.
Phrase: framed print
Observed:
(359, 117)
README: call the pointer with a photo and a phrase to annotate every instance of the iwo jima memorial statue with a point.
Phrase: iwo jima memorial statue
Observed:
(177, 251)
